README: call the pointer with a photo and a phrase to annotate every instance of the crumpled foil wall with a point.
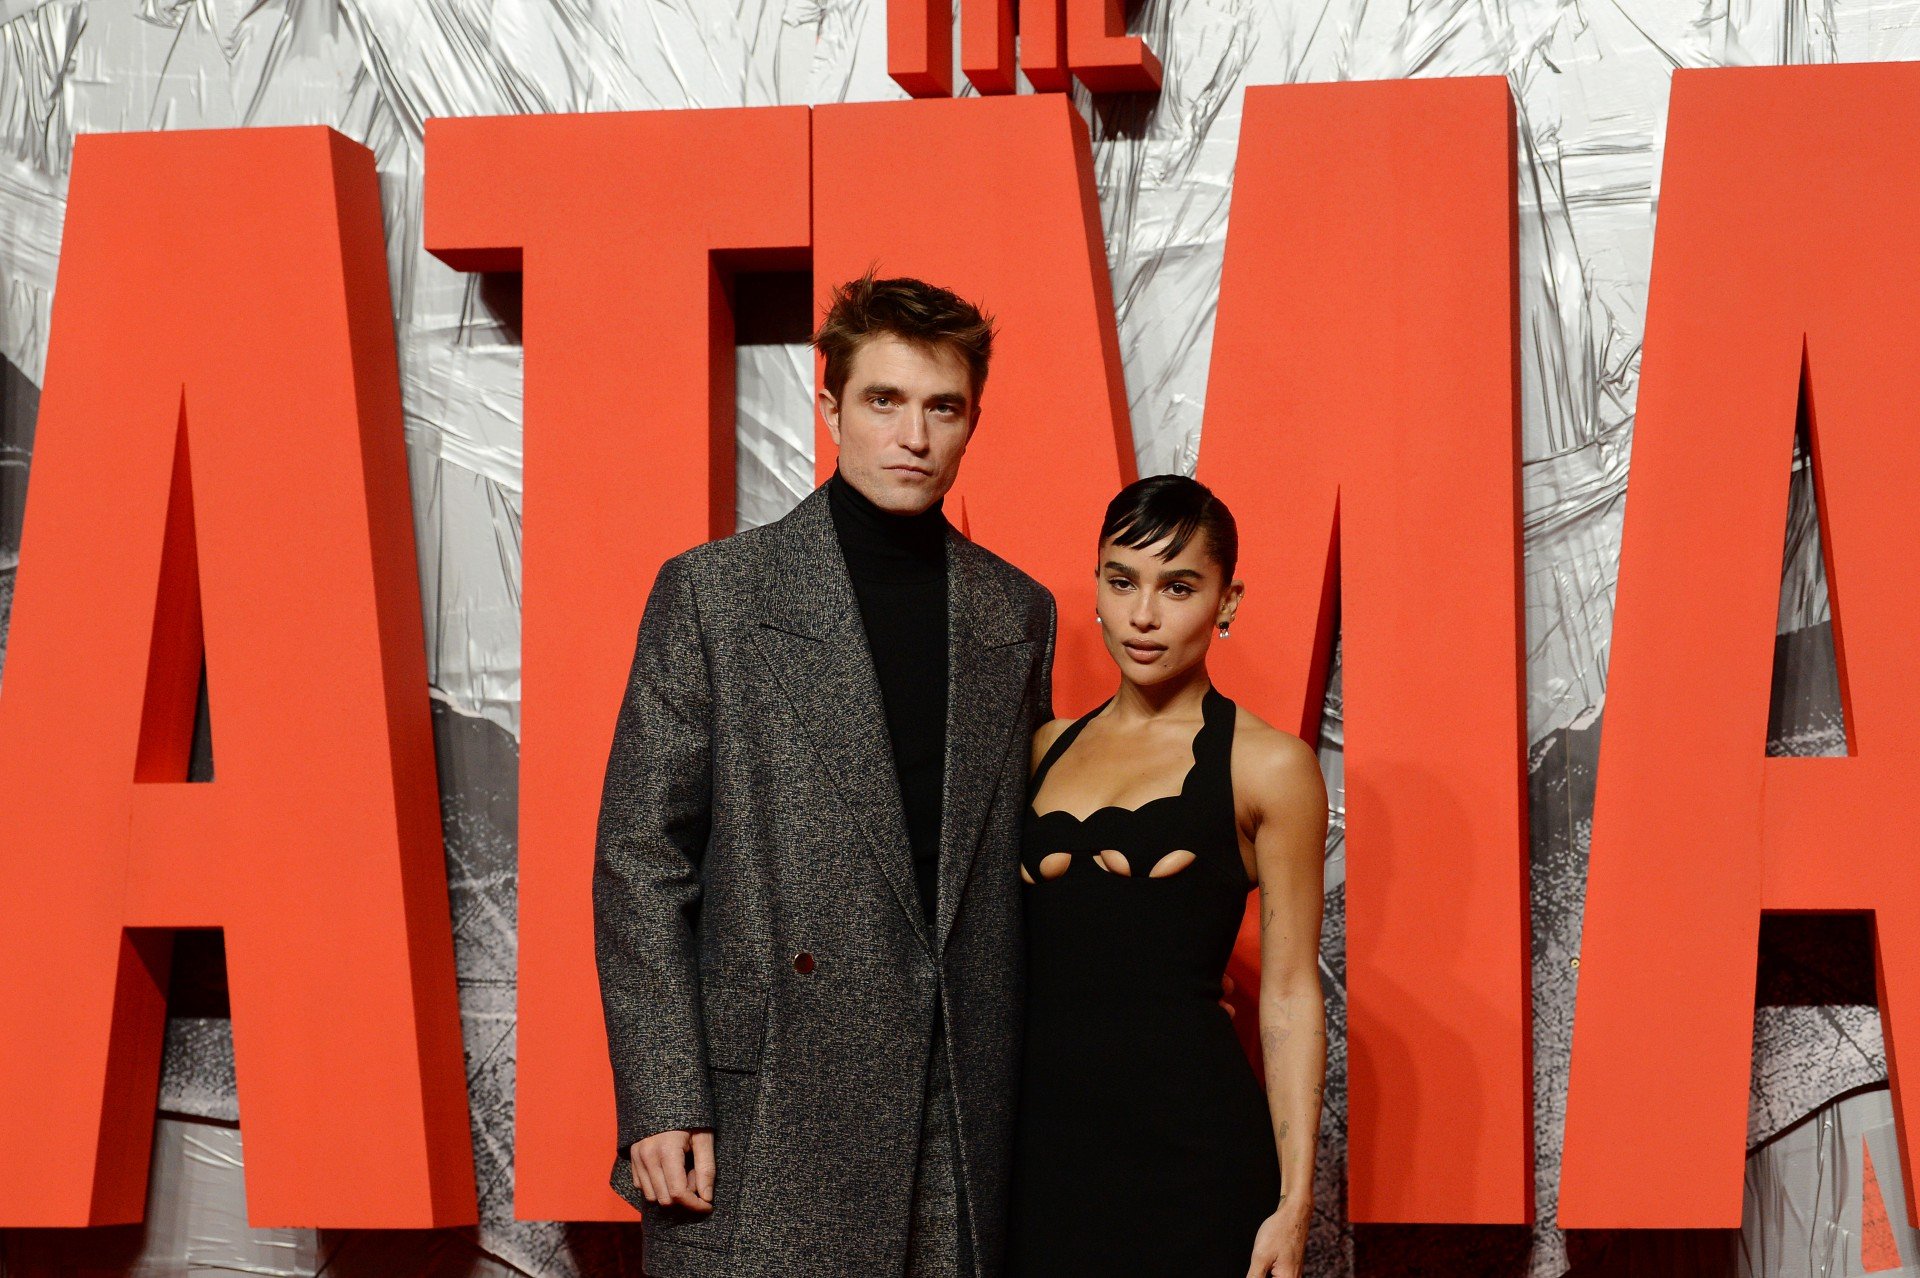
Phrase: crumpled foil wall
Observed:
(1590, 83)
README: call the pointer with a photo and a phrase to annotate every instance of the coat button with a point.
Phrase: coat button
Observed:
(803, 962)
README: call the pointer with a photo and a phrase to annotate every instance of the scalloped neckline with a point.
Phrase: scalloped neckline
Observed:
(1186, 780)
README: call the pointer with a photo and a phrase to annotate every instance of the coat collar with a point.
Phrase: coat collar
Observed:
(818, 602)
(811, 631)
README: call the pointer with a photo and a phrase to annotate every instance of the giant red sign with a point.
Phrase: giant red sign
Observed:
(1361, 419)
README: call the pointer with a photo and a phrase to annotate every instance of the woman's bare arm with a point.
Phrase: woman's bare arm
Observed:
(1288, 799)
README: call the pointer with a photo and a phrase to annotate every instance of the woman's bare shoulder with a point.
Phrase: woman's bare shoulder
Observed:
(1043, 738)
(1275, 767)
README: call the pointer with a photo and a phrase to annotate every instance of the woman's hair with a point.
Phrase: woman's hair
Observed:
(1173, 507)
(910, 309)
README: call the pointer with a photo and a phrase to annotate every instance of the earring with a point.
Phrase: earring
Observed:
(1223, 630)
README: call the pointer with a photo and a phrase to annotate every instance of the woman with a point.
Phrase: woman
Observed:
(1144, 1146)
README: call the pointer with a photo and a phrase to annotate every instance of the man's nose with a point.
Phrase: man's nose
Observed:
(916, 437)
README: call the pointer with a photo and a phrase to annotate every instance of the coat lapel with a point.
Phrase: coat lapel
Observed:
(812, 637)
(988, 656)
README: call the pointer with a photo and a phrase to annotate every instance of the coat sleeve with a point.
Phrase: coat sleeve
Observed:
(654, 819)
(1042, 701)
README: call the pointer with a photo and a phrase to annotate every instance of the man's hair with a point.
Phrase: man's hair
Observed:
(912, 310)
(1174, 507)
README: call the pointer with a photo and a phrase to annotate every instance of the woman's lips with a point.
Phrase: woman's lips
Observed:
(1144, 653)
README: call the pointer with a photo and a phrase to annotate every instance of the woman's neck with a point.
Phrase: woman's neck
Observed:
(1179, 697)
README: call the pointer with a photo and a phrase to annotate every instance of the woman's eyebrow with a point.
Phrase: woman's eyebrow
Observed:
(1170, 574)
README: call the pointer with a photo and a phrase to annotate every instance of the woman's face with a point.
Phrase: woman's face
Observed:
(1157, 616)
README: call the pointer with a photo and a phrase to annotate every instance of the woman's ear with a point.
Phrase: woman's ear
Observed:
(1230, 602)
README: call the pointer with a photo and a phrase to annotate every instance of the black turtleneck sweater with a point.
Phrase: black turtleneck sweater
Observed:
(898, 564)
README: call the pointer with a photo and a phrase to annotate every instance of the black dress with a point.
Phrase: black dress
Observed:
(1144, 1147)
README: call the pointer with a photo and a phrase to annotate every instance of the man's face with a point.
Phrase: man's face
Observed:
(902, 421)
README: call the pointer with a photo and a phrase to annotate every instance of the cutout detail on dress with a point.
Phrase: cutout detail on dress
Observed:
(1170, 864)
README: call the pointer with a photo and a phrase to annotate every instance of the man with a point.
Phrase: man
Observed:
(806, 891)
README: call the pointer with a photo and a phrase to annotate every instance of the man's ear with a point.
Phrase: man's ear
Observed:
(829, 412)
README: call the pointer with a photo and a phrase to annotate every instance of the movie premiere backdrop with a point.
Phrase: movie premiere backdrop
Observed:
(345, 290)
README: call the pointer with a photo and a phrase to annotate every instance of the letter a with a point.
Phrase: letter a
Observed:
(219, 466)
(1784, 267)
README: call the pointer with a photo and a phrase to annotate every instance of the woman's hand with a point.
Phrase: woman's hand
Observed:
(1280, 1247)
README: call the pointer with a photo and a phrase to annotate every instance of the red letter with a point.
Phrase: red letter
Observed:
(1362, 419)
(986, 45)
(1100, 52)
(1058, 39)
(1043, 45)
(627, 225)
(220, 457)
(1784, 266)
(920, 46)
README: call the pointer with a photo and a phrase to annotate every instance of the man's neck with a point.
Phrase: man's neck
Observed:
(876, 539)
(850, 492)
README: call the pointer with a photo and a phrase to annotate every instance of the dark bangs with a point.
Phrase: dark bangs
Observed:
(1176, 509)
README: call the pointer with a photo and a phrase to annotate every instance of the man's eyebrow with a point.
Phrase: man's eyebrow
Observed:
(889, 389)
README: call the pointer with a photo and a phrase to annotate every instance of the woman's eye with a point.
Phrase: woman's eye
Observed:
(1118, 583)
(1180, 591)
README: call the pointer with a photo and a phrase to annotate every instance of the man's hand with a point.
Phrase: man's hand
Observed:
(660, 1168)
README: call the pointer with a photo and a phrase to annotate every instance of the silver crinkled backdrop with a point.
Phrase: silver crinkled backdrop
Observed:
(1590, 82)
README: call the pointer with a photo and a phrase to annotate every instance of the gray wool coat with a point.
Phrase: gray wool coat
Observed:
(765, 968)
